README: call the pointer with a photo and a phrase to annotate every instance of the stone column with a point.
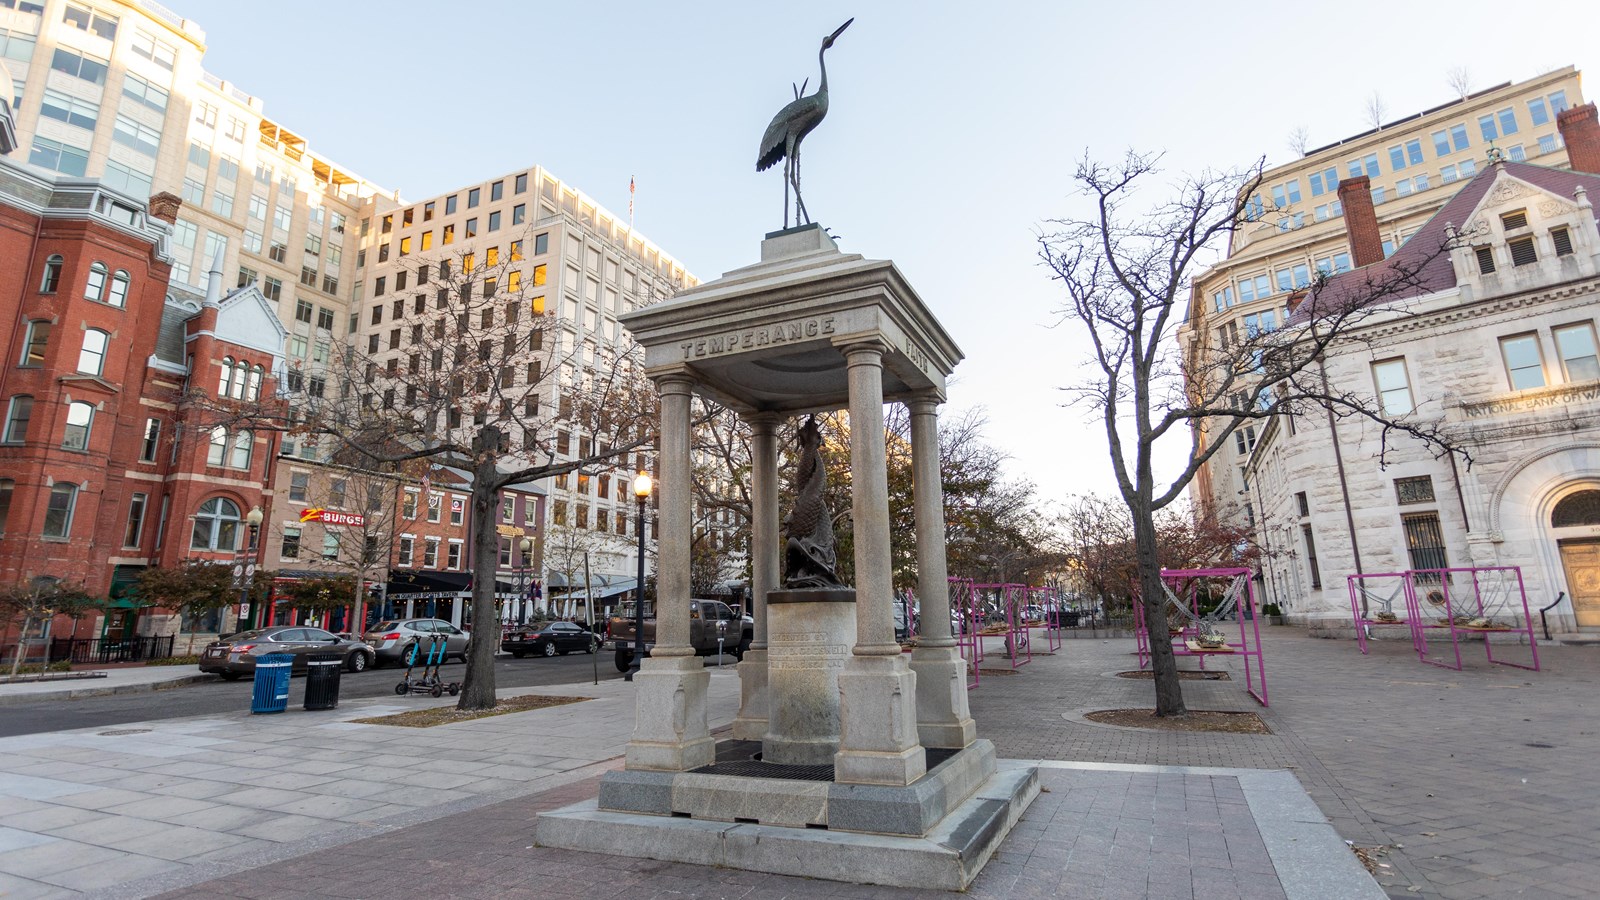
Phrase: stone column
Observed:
(943, 719)
(751, 723)
(670, 731)
(878, 741)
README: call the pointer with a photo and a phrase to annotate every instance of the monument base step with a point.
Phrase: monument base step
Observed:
(743, 791)
(947, 858)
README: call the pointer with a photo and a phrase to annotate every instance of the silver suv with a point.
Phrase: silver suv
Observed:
(393, 640)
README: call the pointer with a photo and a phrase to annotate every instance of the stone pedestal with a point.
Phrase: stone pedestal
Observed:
(751, 723)
(669, 728)
(809, 633)
(878, 723)
(942, 718)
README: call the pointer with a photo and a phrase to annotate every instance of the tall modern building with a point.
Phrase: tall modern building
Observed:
(117, 90)
(1297, 223)
(560, 255)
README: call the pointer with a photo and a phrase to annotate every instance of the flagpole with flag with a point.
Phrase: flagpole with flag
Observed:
(630, 204)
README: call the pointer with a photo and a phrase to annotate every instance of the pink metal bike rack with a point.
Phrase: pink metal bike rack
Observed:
(1425, 579)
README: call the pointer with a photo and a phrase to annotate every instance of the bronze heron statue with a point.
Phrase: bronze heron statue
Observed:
(790, 126)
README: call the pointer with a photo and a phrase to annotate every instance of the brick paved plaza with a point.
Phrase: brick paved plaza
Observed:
(1479, 783)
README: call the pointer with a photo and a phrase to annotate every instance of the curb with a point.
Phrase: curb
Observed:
(103, 691)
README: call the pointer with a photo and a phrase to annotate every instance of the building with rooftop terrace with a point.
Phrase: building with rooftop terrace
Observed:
(1297, 225)
(1494, 343)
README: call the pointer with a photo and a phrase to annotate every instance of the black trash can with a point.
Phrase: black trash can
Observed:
(322, 680)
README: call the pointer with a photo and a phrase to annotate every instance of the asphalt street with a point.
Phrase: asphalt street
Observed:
(218, 696)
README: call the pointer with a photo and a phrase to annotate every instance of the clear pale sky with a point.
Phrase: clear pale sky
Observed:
(951, 135)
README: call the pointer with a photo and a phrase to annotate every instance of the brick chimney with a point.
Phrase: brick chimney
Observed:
(1360, 221)
(1580, 131)
(164, 206)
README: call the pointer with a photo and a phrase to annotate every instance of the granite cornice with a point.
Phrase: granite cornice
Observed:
(1463, 316)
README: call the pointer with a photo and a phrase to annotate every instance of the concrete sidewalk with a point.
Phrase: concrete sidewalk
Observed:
(168, 803)
(248, 806)
(119, 680)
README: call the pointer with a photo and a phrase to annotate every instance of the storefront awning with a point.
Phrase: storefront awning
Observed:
(600, 592)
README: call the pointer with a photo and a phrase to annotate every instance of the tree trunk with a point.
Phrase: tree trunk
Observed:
(1169, 691)
(22, 645)
(478, 688)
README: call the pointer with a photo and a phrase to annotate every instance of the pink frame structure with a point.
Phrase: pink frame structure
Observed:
(1050, 604)
(1249, 646)
(1016, 632)
(1446, 576)
(1358, 587)
(964, 602)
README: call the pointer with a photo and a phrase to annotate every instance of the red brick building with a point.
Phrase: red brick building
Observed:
(107, 465)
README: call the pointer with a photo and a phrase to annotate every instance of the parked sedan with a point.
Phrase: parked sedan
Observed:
(549, 639)
(235, 656)
(393, 640)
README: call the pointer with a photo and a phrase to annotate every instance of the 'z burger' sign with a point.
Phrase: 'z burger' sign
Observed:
(329, 517)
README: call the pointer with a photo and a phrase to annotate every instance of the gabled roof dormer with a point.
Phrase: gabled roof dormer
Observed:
(1523, 235)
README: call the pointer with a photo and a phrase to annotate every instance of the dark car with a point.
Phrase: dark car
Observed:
(549, 639)
(234, 656)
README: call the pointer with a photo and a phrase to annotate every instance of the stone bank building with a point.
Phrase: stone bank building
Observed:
(1496, 344)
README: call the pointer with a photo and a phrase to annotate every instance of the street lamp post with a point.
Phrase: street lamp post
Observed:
(641, 493)
(524, 577)
(253, 519)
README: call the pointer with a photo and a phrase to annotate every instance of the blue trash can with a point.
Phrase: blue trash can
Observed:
(272, 683)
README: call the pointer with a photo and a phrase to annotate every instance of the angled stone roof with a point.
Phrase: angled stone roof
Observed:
(1422, 264)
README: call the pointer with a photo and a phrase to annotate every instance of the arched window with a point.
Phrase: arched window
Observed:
(1581, 508)
(218, 450)
(216, 526)
(119, 289)
(253, 392)
(240, 373)
(52, 275)
(38, 341)
(95, 289)
(80, 418)
(243, 443)
(227, 376)
(92, 359)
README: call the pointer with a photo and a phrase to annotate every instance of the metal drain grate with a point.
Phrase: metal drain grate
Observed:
(742, 759)
(119, 732)
(754, 768)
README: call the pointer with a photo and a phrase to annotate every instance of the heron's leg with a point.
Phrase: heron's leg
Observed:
(786, 164)
(799, 204)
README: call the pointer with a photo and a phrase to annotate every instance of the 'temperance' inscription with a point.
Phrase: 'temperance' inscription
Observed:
(766, 335)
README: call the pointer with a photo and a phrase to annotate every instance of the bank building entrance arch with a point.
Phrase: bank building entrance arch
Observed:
(1577, 513)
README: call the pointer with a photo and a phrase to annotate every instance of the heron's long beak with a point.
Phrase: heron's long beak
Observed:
(841, 28)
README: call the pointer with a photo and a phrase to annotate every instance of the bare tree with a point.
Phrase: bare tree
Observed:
(473, 371)
(1460, 80)
(1126, 274)
(362, 517)
(1376, 110)
(566, 547)
(1300, 140)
